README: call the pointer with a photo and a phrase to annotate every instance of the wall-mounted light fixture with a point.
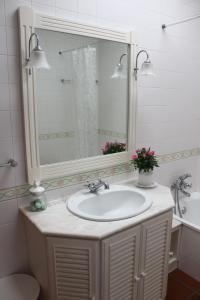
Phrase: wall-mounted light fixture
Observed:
(118, 71)
(146, 67)
(36, 57)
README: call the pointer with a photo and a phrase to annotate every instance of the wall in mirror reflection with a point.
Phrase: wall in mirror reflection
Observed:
(80, 106)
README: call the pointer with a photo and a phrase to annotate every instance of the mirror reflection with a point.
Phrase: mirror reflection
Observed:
(82, 99)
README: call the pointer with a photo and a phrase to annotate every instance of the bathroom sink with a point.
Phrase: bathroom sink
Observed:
(117, 203)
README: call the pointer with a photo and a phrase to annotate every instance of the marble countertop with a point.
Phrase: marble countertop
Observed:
(57, 220)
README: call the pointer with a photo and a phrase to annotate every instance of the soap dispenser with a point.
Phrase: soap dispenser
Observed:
(38, 202)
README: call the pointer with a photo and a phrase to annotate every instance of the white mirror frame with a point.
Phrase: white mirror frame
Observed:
(28, 21)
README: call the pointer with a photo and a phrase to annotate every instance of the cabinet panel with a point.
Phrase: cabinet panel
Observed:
(120, 256)
(73, 266)
(154, 257)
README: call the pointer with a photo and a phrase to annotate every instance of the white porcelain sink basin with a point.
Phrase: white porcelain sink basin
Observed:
(117, 203)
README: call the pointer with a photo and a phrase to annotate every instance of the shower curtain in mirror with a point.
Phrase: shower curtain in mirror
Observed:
(85, 101)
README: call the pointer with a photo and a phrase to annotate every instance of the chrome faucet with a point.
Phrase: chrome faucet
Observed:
(95, 186)
(182, 186)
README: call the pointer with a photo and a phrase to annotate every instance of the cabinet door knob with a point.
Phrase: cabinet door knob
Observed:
(136, 278)
(143, 274)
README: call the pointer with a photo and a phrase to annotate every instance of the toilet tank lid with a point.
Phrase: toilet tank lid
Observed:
(19, 287)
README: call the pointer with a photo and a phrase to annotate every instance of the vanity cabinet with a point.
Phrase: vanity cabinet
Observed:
(135, 262)
(130, 265)
(73, 269)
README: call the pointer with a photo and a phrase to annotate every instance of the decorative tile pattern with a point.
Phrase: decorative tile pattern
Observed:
(70, 134)
(55, 183)
(56, 135)
(113, 134)
(167, 158)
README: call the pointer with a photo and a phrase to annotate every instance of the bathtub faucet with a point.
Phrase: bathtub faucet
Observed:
(182, 186)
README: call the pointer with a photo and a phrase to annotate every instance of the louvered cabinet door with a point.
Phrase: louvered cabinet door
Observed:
(154, 257)
(73, 269)
(120, 259)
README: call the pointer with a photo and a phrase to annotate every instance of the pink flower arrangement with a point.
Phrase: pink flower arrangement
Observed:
(144, 160)
(113, 147)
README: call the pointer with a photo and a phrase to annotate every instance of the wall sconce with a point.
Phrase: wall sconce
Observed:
(36, 57)
(146, 67)
(119, 68)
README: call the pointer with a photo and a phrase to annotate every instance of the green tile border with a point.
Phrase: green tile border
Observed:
(56, 183)
(56, 135)
(111, 133)
(71, 134)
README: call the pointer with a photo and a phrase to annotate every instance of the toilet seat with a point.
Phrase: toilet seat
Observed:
(19, 287)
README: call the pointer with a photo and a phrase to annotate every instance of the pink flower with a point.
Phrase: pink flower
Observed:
(134, 157)
(151, 153)
(106, 147)
(137, 150)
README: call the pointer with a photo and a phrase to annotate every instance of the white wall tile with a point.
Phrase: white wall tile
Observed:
(20, 173)
(4, 96)
(19, 148)
(3, 46)
(4, 69)
(8, 212)
(43, 9)
(88, 7)
(17, 123)
(67, 4)
(6, 149)
(5, 124)
(12, 40)
(44, 2)
(11, 7)
(2, 13)
(15, 96)
(13, 69)
(7, 177)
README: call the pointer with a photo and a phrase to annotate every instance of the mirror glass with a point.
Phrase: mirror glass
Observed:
(83, 99)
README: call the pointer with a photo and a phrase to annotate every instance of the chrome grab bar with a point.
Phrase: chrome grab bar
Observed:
(10, 163)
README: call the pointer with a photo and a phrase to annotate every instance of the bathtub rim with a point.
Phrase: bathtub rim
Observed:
(186, 223)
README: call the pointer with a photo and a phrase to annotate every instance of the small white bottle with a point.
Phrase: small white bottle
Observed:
(38, 196)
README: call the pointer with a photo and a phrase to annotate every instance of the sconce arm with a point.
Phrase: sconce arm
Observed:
(29, 44)
(141, 51)
(121, 57)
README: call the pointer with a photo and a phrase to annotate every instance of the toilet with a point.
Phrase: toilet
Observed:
(19, 287)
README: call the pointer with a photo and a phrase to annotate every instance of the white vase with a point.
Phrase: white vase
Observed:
(145, 178)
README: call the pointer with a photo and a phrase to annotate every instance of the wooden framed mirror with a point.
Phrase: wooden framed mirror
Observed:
(80, 114)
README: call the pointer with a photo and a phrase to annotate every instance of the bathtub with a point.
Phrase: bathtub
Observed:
(191, 217)
(190, 240)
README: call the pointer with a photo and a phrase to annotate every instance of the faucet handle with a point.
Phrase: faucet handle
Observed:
(185, 176)
(186, 185)
(88, 184)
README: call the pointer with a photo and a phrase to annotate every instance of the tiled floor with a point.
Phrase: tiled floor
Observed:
(182, 287)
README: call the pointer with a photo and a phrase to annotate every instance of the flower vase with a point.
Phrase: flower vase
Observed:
(145, 178)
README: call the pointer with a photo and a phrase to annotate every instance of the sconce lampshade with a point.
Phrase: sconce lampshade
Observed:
(118, 72)
(37, 59)
(147, 68)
